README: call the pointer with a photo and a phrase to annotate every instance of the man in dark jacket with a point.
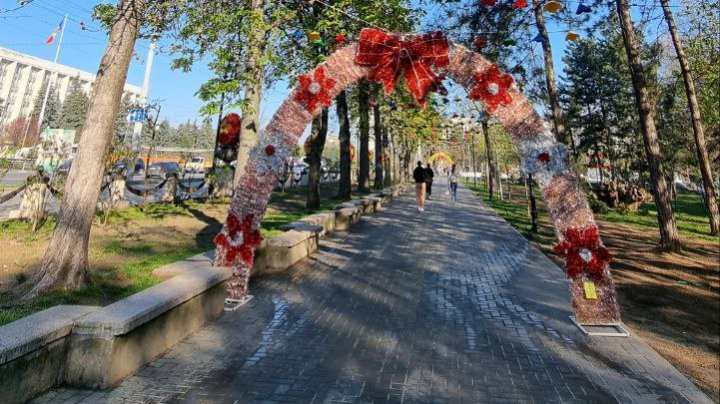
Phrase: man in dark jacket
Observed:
(429, 175)
(420, 176)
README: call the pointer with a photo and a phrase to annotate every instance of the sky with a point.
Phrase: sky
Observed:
(26, 30)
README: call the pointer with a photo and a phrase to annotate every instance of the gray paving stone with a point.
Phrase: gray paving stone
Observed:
(448, 306)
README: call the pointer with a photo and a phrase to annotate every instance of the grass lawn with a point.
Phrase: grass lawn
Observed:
(124, 252)
(672, 300)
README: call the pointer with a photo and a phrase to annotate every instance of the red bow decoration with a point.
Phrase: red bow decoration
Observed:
(583, 251)
(390, 56)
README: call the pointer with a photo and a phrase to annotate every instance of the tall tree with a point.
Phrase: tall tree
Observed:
(65, 263)
(669, 239)
(345, 182)
(554, 100)
(74, 109)
(255, 71)
(699, 134)
(52, 108)
(490, 159)
(122, 126)
(364, 115)
(377, 132)
(318, 135)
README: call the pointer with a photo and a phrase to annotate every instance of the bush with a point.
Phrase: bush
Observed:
(597, 205)
(627, 208)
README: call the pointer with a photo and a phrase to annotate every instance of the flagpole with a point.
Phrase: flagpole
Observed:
(50, 82)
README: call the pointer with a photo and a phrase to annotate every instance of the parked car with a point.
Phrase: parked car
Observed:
(122, 166)
(163, 169)
(195, 165)
(64, 168)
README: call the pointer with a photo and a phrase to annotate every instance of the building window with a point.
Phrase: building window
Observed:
(28, 96)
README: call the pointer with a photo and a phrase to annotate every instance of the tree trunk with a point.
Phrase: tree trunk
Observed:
(705, 171)
(491, 164)
(65, 263)
(387, 160)
(377, 132)
(318, 134)
(364, 113)
(557, 114)
(345, 182)
(669, 239)
(532, 207)
(253, 93)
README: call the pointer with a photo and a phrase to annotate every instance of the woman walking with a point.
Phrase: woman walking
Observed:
(453, 182)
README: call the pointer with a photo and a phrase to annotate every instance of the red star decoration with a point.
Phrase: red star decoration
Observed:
(314, 90)
(392, 56)
(583, 252)
(491, 86)
(251, 239)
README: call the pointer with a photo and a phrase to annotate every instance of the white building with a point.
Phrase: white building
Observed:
(22, 76)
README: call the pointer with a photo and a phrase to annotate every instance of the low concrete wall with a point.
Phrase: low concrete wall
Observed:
(97, 359)
(32, 351)
(97, 347)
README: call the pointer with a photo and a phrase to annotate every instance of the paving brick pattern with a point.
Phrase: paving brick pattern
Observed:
(448, 306)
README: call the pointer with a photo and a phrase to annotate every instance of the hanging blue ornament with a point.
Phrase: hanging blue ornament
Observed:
(539, 38)
(298, 34)
(582, 9)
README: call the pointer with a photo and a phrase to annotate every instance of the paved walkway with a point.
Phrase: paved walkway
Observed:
(449, 306)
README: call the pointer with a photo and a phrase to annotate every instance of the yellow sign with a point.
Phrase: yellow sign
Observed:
(590, 291)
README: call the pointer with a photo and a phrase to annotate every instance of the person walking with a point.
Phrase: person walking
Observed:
(429, 175)
(453, 179)
(420, 176)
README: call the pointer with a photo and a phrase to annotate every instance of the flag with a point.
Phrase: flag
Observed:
(51, 39)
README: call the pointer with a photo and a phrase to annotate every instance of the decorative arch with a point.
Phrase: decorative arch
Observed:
(423, 61)
(441, 156)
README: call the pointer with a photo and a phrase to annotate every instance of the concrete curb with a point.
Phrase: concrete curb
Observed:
(98, 347)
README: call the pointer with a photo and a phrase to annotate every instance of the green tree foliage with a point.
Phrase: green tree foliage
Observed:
(74, 109)
(123, 128)
(52, 108)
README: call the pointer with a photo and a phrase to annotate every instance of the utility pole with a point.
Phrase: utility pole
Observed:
(137, 129)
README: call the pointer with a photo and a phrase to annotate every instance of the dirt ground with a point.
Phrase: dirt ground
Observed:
(671, 300)
(116, 243)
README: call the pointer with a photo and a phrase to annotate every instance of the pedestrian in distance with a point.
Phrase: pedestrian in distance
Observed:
(429, 175)
(453, 179)
(420, 176)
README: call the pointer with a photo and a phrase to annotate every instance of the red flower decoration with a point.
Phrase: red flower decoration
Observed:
(340, 38)
(230, 130)
(520, 4)
(246, 249)
(544, 157)
(488, 3)
(270, 150)
(583, 252)
(390, 56)
(314, 90)
(480, 42)
(491, 87)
